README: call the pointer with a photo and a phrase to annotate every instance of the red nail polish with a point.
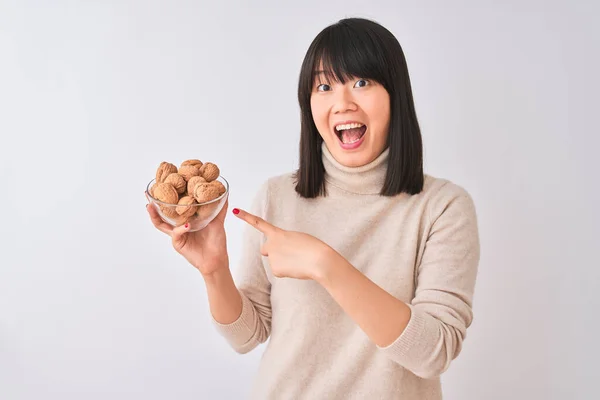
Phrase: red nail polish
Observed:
(187, 226)
(236, 211)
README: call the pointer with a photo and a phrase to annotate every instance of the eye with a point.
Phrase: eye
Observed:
(323, 87)
(361, 83)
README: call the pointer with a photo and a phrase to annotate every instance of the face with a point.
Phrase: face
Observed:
(352, 118)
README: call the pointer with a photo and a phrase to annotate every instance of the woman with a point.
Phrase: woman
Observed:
(359, 268)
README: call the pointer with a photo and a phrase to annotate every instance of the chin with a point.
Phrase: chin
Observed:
(357, 158)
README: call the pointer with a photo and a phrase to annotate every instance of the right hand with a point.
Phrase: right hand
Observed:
(205, 249)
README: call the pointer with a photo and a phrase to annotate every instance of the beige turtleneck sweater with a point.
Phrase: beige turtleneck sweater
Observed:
(422, 249)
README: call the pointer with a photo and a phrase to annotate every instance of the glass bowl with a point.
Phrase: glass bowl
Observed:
(197, 215)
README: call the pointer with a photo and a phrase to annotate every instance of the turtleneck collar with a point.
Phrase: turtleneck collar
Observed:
(366, 179)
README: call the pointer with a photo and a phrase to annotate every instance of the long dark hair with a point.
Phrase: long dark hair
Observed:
(357, 47)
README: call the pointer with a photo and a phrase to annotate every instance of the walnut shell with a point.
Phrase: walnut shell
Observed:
(194, 162)
(166, 193)
(205, 192)
(177, 181)
(151, 190)
(220, 187)
(188, 171)
(180, 220)
(169, 211)
(185, 208)
(164, 170)
(210, 171)
(208, 210)
(191, 185)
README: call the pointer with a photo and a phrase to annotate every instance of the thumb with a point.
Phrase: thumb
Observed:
(179, 236)
(221, 215)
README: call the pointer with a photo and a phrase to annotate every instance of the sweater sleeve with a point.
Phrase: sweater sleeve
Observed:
(441, 310)
(253, 326)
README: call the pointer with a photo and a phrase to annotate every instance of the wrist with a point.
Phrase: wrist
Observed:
(327, 268)
(216, 276)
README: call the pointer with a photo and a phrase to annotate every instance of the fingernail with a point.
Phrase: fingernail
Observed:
(236, 211)
(187, 226)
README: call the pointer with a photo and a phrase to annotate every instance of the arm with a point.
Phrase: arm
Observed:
(242, 314)
(224, 298)
(426, 335)
(380, 315)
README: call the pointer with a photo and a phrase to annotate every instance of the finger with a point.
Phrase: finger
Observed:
(223, 212)
(157, 220)
(257, 222)
(178, 235)
(264, 251)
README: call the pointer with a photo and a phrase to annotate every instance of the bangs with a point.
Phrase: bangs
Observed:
(343, 53)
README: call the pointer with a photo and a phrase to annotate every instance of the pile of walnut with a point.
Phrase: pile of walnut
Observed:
(192, 183)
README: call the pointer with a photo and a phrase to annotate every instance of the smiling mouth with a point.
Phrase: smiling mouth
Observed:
(350, 133)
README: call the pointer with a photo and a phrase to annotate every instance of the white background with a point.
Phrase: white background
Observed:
(95, 304)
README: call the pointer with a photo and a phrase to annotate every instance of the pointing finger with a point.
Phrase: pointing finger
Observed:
(257, 222)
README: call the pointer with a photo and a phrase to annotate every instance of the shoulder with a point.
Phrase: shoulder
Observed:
(440, 187)
(279, 185)
(275, 189)
(441, 194)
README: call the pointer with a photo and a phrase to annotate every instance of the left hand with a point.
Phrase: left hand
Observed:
(291, 254)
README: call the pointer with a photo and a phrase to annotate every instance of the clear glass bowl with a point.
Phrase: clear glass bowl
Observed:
(201, 213)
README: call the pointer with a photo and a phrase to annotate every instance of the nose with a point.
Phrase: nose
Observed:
(343, 101)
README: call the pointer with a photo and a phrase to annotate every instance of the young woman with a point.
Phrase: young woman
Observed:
(358, 267)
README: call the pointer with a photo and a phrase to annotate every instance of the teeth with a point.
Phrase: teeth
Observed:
(348, 126)
(353, 141)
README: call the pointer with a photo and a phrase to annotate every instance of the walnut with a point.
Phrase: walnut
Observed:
(164, 170)
(169, 211)
(208, 211)
(188, 171)
(166, 193)
(177, 181)
(181, 189)
(210, 171)
(151, 190)
(194, 162)
(185, 207)
(191, 185)
(205, 192)
(220, 187)
(180, 220)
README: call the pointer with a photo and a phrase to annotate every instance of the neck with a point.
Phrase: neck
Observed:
(366, 179)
